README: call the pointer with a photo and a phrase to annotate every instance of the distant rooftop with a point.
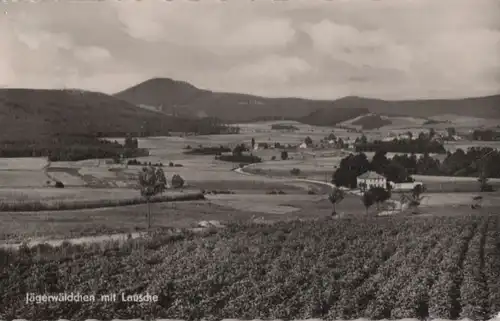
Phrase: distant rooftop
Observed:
(371, 175)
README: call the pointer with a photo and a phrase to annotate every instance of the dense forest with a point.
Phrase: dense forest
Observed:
(421, 145)
(72, 148)
(486, 135)
(476, 162)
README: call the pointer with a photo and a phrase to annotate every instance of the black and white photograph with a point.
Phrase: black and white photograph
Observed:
(250, 160)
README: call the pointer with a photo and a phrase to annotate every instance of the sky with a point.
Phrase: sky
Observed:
(322, 49)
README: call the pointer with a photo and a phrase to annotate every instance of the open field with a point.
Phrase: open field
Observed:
(19, 203)
(203, 172)
(23, 163)
(23, 178)
(93, 182)
(378, 268)
(25, 194)
(17, 226)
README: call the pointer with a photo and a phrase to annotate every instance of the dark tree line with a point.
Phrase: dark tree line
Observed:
(421, 145)
(476, 162)
(356, 164)
(284, 127)
(209, 150)
(70, 148)
(459, 163)
(485, 135)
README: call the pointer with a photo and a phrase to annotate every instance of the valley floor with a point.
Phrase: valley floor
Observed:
(279, 256)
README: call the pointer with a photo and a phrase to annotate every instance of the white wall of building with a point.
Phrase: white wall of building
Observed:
(380, 182)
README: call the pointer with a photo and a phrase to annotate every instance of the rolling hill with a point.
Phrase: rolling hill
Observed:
(182, 98)
(29, 114)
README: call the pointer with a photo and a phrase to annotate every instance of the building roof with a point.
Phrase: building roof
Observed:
(371, 175)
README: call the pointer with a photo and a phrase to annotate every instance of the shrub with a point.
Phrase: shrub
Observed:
(177, 181)
(59, 184)
(295, 171)
(237, 158)
(178, 165)
(208, 150)
(284, 155)
(170, 164)
(273, 158)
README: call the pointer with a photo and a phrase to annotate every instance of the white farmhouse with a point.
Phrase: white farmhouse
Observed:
(371, 179)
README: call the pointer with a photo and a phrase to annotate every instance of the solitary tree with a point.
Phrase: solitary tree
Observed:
(451, 131)
(150, 183)
(308, 141)
(432, 133)
(253, 143)
(415, 198)
(336, 196)
(380, 195)
(162, 179)
(417, 191)
(284, 155)
(368, 200)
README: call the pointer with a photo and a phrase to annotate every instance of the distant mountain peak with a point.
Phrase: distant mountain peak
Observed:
(166, 82)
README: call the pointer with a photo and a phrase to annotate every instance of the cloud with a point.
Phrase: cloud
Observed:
(204, 25)
(270, 70)
(92, 54)
(309, 48)
(363, 48)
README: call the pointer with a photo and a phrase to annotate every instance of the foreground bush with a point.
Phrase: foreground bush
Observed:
(377, 268)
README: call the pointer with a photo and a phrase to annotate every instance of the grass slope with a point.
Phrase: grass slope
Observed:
(378, 268)
(181, 98)
(371, 122)
(29, 114)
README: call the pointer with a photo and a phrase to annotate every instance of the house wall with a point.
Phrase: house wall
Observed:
(373, 182)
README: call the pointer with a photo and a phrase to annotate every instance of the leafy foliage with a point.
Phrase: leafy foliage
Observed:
(336, 196)
(368, 200)
(68, 148)
(240, 158)
(177, 181)
(421, 145)
(207, 150)
(152, 181)
(483, 163)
